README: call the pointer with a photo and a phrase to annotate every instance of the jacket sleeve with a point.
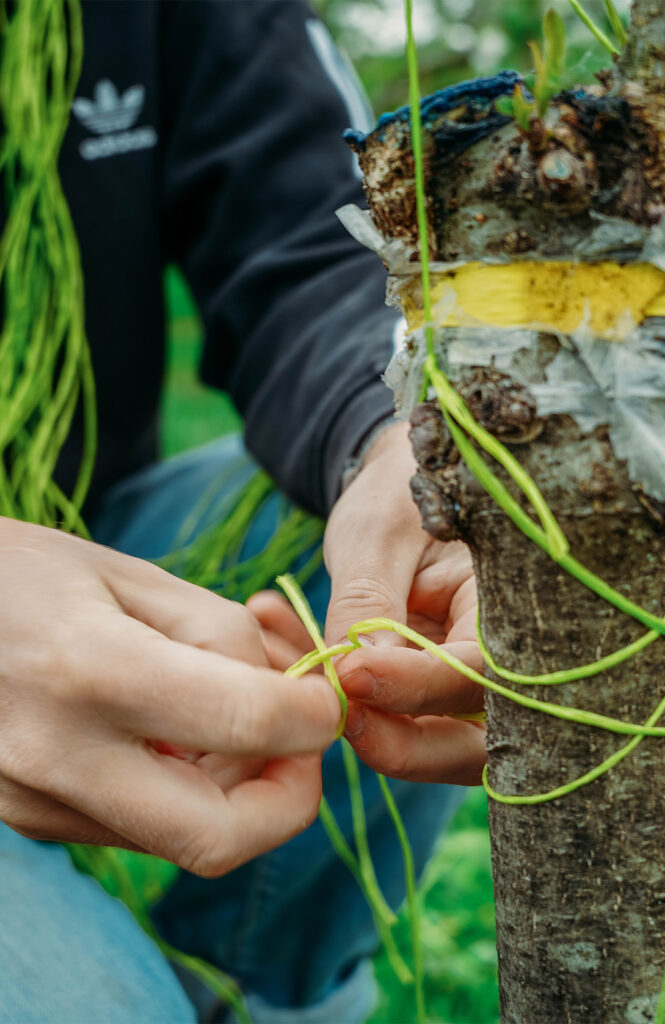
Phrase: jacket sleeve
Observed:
(254, 168)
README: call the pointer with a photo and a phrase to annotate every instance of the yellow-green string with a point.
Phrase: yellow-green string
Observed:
(411, 899)
(301, 605)
(384, 917)
(363, 867)
(566, 675)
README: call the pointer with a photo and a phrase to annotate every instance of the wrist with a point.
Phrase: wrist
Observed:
(395, 434)
(379, 437)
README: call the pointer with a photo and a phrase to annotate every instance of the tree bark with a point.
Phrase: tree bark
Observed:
(579, 881)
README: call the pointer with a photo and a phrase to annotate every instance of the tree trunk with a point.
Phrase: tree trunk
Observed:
(579, 881)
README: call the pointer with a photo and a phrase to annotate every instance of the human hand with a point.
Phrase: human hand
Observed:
(383, 564)
(103, 654)
(284, 637)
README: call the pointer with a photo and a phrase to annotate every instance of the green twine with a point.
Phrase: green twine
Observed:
(45, 369)
(301, 605)
(548, 536)
(362, 867)
(411, 899)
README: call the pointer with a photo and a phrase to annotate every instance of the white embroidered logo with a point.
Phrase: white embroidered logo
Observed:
(111, 117)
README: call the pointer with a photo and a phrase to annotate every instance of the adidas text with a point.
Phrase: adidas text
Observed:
(118, 142)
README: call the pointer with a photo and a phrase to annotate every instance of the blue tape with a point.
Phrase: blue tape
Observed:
(478, 90)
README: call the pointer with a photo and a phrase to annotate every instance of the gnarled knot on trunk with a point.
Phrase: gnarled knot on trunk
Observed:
(435, 488)
(500, 404)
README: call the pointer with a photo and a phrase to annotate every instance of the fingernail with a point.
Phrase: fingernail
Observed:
(360, 684)
(355, 721)
(366, 641)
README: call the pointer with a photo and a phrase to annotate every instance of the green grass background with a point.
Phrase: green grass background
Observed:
(456, 891)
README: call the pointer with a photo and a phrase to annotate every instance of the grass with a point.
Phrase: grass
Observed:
(458, 930)
(456, 891)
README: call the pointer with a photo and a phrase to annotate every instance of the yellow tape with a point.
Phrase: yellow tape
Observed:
(558, 295)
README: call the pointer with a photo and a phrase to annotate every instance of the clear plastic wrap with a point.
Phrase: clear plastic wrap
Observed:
(596, 381)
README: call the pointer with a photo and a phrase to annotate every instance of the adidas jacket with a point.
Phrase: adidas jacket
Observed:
(209, 134)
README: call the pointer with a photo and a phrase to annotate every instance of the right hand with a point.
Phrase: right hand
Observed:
(103, 653)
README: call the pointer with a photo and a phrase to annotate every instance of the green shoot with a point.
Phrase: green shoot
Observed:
(518, 107)
(615, 21)
(550, 65)
(522, 108)
(591, 25)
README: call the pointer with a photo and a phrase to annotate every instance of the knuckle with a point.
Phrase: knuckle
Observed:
(240, 619)
(365, 593)
(395, 761)
(215, 626)
(430, 690)
(45, 663)
(249, 725)
(205, 855)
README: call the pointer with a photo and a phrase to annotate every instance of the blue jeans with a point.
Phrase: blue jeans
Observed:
(292, 925)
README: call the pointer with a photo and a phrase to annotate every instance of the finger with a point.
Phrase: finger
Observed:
(227, 772)
(458, 622)
(373, 545)
(465, 627)
(419, 750)
(464, 602)
(41, 817)
(223, 770)
(150, 686)
(176, 811)
(280, 653)
(182, 611)
(276, 615)
(436, 586)
(413, 682)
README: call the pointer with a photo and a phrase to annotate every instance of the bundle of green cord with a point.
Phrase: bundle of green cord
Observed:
(46, 377)
(44, 357)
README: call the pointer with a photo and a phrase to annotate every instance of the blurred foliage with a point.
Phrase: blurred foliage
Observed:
(458, 931)
(457, 39)
(191, 413)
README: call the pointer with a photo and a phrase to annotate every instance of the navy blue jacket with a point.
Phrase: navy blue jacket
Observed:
(209, 134)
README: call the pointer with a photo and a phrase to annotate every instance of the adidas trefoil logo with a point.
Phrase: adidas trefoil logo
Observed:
(111, 116)
(110, 112)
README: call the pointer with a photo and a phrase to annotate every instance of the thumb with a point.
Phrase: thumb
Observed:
(364, 588)
(373, 545)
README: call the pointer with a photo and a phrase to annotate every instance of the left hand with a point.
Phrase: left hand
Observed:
(382, 563)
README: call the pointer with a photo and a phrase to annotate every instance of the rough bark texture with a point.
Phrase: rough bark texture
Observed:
(580, 881)
(643, 59)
